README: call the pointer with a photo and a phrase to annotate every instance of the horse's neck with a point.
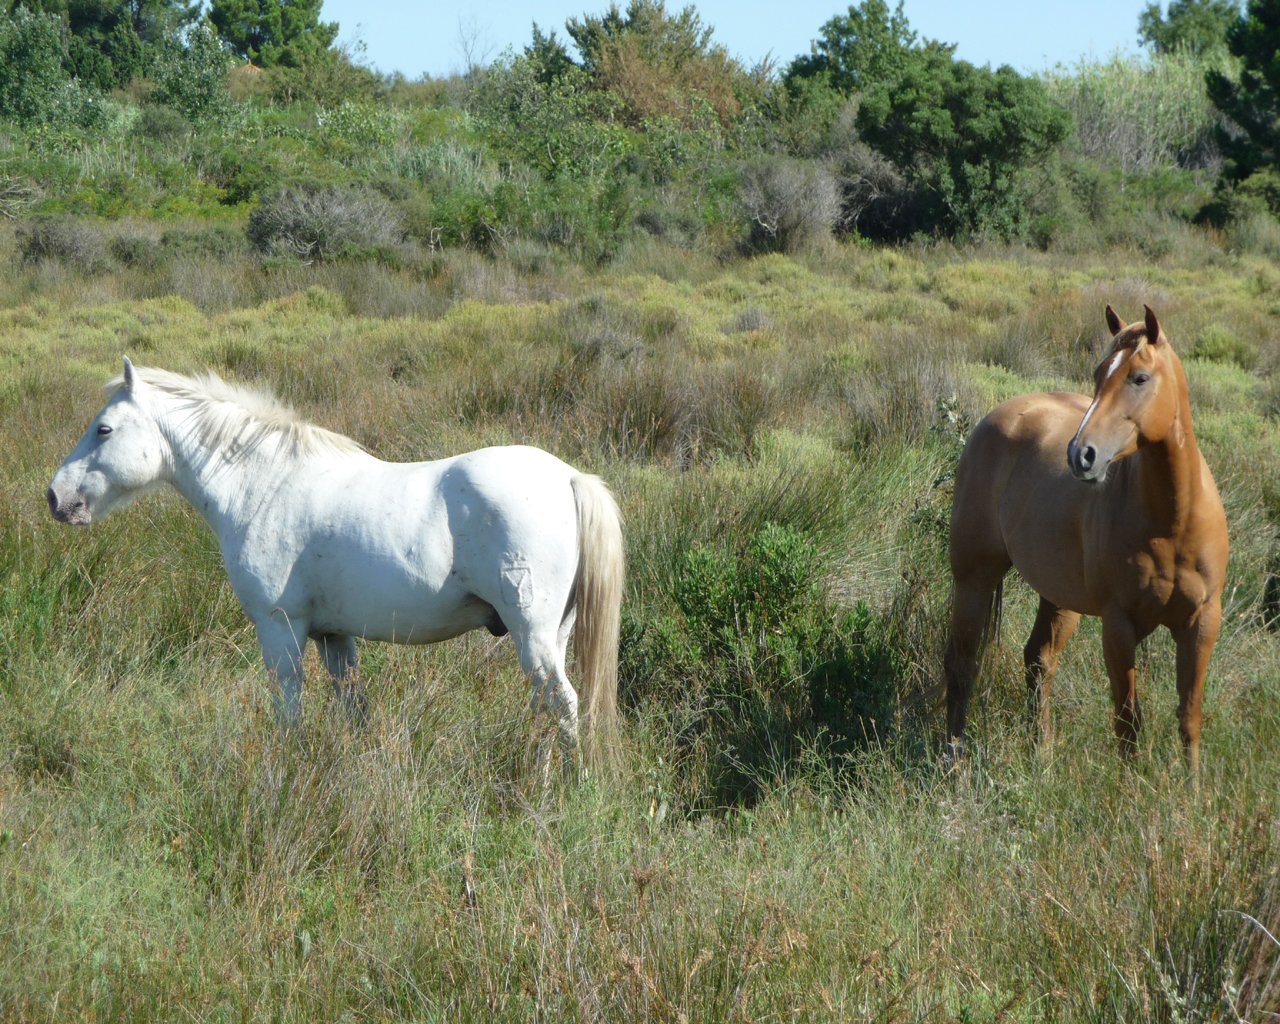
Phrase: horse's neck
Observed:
(225, 486)
(1170, 475)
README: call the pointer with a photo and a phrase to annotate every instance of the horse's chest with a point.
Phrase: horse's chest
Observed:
(1168, 592)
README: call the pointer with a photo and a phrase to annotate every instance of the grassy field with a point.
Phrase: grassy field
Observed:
(166, 854)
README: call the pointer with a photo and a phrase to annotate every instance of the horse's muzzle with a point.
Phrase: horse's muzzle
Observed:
(74, 512)
(1082, 459)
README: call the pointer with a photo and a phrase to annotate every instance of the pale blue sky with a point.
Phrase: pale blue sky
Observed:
(426, 36)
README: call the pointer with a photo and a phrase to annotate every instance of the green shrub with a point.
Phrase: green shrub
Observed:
(161, 124)
(193, 79)
(358, 130)
(965, 135)
(35, 90)
(72, 243)
(1219, 345)
(758, 666)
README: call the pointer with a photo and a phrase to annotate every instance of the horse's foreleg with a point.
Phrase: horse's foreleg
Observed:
(283, 643)
(342, 664)
(1053, 628)
(1119, 647)
(1195, 645)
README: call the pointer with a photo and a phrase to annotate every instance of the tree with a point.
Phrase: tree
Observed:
(870, 44)
(657, 63)
(963, 136)
(1198, 26)
(193, 79)
(272, 33)
(548, 55)
(111, 41)
(1253, 102)
(36, 89)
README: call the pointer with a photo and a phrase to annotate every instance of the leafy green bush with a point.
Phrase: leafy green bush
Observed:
(1250, 100)
(140, 251)
(965, 135)
(561, 126)
(1218, 344)
(35, 90)
(355, 130)
(215, 242)
(758, 666)
(193, 79)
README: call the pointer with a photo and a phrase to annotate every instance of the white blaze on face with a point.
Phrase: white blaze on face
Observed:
(1114, 365)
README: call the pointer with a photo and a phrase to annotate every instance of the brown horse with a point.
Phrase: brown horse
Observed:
(1106, 507)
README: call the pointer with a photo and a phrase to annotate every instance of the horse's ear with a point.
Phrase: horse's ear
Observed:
(1153, 326)
(130, 378)
(1113, 321)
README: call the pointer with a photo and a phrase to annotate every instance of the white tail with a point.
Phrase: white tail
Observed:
(598, 598)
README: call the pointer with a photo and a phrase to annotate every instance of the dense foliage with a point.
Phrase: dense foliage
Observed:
(1251, 103)
(1198, 27)
(634, 124)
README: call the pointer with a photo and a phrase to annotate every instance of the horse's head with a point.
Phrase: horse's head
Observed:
(120, 455)
(1136, 399)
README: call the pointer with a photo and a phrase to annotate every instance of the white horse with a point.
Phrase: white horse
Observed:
(323, 541)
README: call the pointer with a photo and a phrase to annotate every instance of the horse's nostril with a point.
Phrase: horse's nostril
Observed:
(1088, 453)
(53, 500)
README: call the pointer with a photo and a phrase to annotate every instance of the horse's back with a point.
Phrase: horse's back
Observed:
(1015, 502)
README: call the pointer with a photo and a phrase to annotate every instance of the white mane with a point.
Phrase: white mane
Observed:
(223, 413)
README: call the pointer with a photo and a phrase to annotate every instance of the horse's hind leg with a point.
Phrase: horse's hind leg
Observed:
(973, 606)
(542, 656)
(342, 664)
(1049, 635)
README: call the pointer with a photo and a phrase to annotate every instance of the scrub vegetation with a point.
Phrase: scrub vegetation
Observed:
(770, 330)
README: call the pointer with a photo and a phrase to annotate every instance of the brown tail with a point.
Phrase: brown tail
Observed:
(598, 598)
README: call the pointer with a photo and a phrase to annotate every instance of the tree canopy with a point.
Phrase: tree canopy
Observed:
(1197, 26)
(270, 33)
(1252, 102)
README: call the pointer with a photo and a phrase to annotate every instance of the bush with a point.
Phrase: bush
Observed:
(136, 251)
(69, 242)
(358, 130)
(35, 90)
(1219, 345)
(216, 242)
(965, 136)
(320, 223)
(161, 124)
(765, 666)
(791, 204)
(194, 79)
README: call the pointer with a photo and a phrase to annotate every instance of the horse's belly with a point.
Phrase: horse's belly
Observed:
(404, 615)
(1058, 582)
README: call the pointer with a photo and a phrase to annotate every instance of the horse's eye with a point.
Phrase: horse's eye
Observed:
(103, 430)
(1139, 379)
